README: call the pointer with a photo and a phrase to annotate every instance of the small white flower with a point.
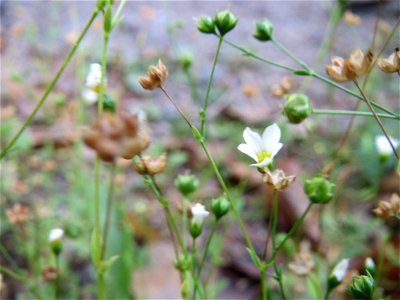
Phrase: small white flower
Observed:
(341, 269)
(93, 79)
(56, 235)
(369, 263)
(262, 149)
(199, 213)
(383, 145)
(89, 96)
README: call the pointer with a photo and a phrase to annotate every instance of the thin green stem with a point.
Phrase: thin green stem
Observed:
(289, 53)
(210, 79)
(200, 140)
(194, 273)
(13, 274)
(116, 16)
(273, 235)
(338, 112)
(57, 282)
(264, 290)
(291, 231)
(208, 243)
(377, 119)
(192, 85)
(184, 221)
(50, 87)
(110, 197)
(100, 286)
(327, 293)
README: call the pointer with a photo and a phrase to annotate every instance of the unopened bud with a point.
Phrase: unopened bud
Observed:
(361, 287)
(186, 60)
(297, 108)
(370, 266)
(186, 184)
(183, 263)
(206, 25)
(263, 31)
(55, 240)
(319, 190)
(338, 273)
(225, 22)
(220, 207)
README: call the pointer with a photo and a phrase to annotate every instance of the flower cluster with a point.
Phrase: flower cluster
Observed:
(116, 135)
(284, 87)
(345, 69)
(387, 210)
(156, 76)
(18, 214)
(223, 21)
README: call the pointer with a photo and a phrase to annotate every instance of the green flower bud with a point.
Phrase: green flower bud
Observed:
(183, 263)
(319, 190)
(297, 108)
(263, 31)
(338, 273)
(361, 287)
(370, 266)
(195, 229)
(108, 103)
(206, 25)
(185, 289)
(186, 184)
(225, 22)
(186, 60)
(55, 240)
(101, 4)
(220, 207)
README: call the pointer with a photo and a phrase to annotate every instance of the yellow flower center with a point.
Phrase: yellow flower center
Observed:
(263, 155)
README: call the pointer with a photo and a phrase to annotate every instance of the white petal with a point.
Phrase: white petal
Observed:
(271, 137)
(246, 149)
(253, 139)
(264, 163)
(276, 149)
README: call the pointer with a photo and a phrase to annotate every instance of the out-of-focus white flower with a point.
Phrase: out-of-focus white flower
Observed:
(89, 96)
(56, 235)
(199, 213)
(383, 145)
(93, 79)
(262, 149)
(341, 269)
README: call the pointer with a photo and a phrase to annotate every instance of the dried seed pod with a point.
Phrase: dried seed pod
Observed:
(156, 76)
(151, 165)
(18, 214)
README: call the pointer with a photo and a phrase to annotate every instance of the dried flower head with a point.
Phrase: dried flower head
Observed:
(390, 64)
(356, 65)
(386, 210)
(18, 214)
(151, 165)
(284, 87)
(49, 273)
(303, 262)
(155, 78)
(351, 19)
(116, 135)
(277, 179)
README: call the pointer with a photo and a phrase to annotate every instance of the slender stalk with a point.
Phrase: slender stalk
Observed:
(327, 293)
(184, 221)
(290, 54)
(208, 242)
(291, 231)
(194, 273)
(57, 282)
(338, 112)
(273, 235)
(50, 86)
(269, 230)
(192, 85)
(100, 286)
(205, 106)
(110, 197)
(264, 290)
(216, 172)
(377, 118)
(312, 73)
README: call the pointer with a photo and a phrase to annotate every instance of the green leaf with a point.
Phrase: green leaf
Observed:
(95, 248)
(314, 286)
(106, 265)
(254, 257)
(302, 72)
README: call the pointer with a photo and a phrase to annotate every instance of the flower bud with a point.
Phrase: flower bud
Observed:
(185, 289)
(225, 22)
(55, 240)
(186, 60)
(338, 273)
(220, 207)
(195, 229)
(263, 31)
(319, 190)
(297, 108)
(186, 184)
(361, 287)
(196, 226)
(370, 266)
(206, 25)
(183, 263)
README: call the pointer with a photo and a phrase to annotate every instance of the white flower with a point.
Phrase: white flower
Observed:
(93, 79)
(199, 213)
(383, 145)
(262, 149)
(340, 269)
(56, 235)
(89, 96)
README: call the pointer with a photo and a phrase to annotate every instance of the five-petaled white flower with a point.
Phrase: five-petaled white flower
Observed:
(199, 213)
(262, 149)
(56, 235)
(383, 146)
(341, 269)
